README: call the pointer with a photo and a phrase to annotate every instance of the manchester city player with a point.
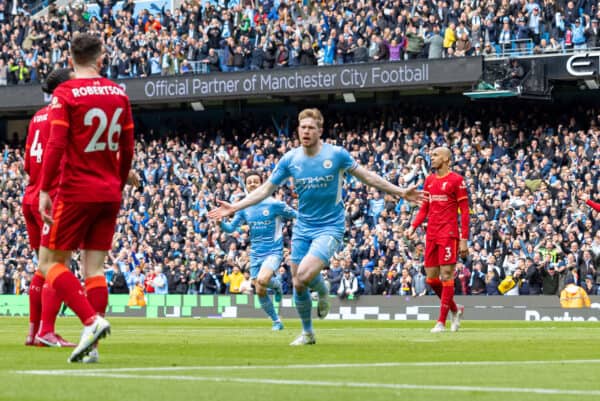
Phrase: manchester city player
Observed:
(265, 222)
(318, 171)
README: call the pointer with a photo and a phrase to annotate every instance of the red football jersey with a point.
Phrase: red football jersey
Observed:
(91, 124)
(442, 198)
(37, 137)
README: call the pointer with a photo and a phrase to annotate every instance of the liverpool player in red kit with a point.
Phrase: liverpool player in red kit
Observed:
(92, 127)
(444, 194)
(37, 137)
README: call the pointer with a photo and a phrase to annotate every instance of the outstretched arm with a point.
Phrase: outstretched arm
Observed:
(254, 197)
(233, 225)
(369, 178)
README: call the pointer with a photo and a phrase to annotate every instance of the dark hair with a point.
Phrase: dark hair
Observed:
(251, 173)
(55, 78)
(85, 48)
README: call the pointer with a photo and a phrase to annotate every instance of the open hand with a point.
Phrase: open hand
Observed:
(225, 209)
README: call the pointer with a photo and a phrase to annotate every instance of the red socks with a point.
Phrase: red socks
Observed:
(69, 290)
(50, 307)
(96, 290)
(447, 302)
(436, 285)
(445, 291)
(35, 302)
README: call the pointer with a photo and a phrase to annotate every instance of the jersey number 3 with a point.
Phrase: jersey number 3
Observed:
(113, 133)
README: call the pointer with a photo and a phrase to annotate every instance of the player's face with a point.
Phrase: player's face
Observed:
(309, 132)
(437, 158)
(252, 182)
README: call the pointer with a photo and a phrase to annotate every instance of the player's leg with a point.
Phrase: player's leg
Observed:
(67, 287)
(307, 276)
(433, 279)
(51, 303)
(302, 301)
(322, 249)
(432, 268)
(70, 221)
(447, 256)
(271, 263)
(96, 288)
(262, 282)
(34, 229)
(447, 303)
(95, 249)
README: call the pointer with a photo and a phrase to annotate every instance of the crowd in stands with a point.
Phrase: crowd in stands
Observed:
(528, 178)
(237, 35)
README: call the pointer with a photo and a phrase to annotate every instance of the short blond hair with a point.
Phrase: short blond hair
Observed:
(315, 114)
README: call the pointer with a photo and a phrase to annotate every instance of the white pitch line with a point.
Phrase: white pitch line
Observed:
(392, 386)
(316, 366)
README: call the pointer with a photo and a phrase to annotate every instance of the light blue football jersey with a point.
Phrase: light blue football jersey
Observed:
(266, 224)
(318, 182)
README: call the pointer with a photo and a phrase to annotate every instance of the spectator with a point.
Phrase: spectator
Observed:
(118, 283)
(348, 285)
(435, 42)
(574, 296)
(233, 280)
(137, 297)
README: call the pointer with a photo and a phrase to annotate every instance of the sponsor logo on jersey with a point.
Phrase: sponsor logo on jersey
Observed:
(314, 182)
(439, 198)
(40, 118)
(55, 104)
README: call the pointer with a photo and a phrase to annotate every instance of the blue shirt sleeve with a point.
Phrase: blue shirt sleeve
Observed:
(234, 224)
(347, 161)
(281, 172)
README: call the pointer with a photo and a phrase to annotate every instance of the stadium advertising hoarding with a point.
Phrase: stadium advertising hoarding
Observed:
(527, 308)
(278, 82)
(580, 65)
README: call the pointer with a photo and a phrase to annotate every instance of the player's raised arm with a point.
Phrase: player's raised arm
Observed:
(411, 194)
(227, 209)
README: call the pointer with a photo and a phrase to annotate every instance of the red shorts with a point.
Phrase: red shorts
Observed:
(33, 221)
(441, 251)
(84, 225)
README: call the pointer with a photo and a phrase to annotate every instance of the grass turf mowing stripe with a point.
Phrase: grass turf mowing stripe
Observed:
(390, 386)
(315, 366)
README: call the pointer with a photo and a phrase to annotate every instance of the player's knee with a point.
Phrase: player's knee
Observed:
(262, 282)
(446, 276)
(299, 285)
(261, 291)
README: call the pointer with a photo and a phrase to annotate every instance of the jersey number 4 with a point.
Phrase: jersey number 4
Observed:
(36, 147)
(113, 133)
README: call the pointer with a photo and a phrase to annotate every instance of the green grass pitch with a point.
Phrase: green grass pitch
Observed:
(241, 359)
